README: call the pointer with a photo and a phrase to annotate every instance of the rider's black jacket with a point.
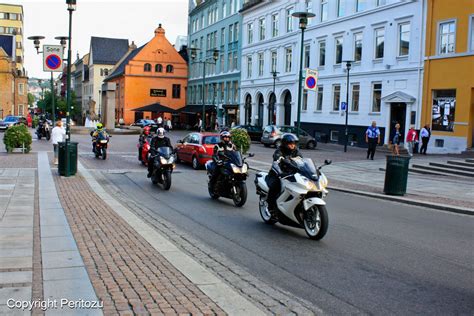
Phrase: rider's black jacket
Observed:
(220, 149)
(157, 142)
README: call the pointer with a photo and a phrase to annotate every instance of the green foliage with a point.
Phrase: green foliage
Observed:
(60, 104)
(16, 137)
(31, 99)
(35, 121)
(241, 139)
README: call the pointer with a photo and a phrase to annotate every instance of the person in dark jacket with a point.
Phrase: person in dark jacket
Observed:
(288, 149)
(159, 140)
(220, 149)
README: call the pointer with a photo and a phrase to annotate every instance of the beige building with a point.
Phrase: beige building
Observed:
(11, 22)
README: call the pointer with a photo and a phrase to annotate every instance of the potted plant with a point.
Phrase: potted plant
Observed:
(17, 136)
(241, 139)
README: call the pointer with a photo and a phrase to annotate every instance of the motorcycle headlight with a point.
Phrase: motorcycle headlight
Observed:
(310, 185)
(103, 141)
(323, 181)
(171, 160)
(163, 161)
(245, 168)
(235, 169)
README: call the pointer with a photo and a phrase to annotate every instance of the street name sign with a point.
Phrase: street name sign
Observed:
(52, 58)
(311, 80)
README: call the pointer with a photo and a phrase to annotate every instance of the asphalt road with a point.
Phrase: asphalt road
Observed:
(377, 258)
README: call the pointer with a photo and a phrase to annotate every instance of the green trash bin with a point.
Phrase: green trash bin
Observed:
(71, 152)
(396, 175)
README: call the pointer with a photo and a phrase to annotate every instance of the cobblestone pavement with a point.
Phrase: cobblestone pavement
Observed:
(127, 273)
(266, 297)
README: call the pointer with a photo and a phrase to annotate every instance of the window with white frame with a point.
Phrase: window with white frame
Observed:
(21, 88)
(309, 8)
(236, 32)
(361, 5)
(336, 97)
(379, 42)
(223, 36)
(249, 66)
(307, 56)
(319, 99)
(338, 43)
(260, 64)
(288, 59)
(275, 25)
(232, 8)
(224, 9)
(274, 60)
(376, 96)
(357, 47)
(341, 7)
(231, 33)
(446, 37)
(221, 62)
(261, 29)
(250, 33)
(305, 100)
(323, 10)
(403, 39)
(289, 20)
(322, 53)
(355, 97)
(235, 56)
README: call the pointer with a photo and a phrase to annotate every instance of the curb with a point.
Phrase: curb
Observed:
(437, 206)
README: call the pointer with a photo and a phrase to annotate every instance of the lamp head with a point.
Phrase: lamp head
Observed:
(71, 5)
(62, 40)
(348, 64)
(36, 41)
(215, 54)
(303, 18)
(193, 52)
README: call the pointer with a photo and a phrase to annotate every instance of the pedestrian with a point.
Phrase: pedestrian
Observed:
(396, 140)
(159, 120)
(232, 125)
(57, 135)
(425, 135)
(170, 126)
(29, 120)
(412, 138)
(372, 138)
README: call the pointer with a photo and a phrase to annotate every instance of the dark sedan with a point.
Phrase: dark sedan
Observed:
(10, 121)
(255, 132)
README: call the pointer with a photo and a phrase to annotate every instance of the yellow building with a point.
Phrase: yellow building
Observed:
(448, 87)
(11, 22)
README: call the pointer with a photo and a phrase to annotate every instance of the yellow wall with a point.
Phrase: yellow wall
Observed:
(10, 8)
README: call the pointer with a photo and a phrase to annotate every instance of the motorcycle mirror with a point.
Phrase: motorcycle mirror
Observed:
(251, 155)
(327, 162)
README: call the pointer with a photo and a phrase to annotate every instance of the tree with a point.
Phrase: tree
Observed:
(60, 104)
(31, 99)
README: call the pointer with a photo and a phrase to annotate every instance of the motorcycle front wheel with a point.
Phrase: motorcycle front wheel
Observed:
(240, 196)
(48, 136)
(104, 153)
(211, 191)
(167, 180)
(316, 222)
(265, 212)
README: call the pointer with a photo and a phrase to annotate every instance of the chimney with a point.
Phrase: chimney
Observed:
(132, 46)
(159, 30)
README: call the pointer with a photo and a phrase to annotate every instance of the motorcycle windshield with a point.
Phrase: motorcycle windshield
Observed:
(235, 157)
(164, 152)
(305, 166)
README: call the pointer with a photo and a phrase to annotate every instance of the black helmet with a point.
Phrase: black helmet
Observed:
(288, 138)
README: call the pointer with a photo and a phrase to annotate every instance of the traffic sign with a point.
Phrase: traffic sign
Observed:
(52, 58)
(311, 80)
(343, 106)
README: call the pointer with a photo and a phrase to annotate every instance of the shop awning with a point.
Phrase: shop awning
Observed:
(156, 108)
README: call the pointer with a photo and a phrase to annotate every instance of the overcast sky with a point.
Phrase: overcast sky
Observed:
(132, 20)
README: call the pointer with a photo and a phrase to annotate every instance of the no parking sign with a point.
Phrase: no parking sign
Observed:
(311, 80)
(53, 58)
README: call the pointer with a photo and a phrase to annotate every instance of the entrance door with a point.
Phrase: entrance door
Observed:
(138, 116)
(398, 112)
(260, 111)
(287, 105)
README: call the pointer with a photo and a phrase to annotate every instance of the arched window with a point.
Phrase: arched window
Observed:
(147, 67)
(169, 68)
(158, 68)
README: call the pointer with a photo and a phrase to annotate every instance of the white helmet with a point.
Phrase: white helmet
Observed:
(160, 132)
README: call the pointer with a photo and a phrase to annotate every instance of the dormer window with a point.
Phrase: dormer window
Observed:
(147, 67)
(158, 68)
(169, 68)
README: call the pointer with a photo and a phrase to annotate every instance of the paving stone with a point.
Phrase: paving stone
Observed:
(16, 277)
(16, 262)
(53, 244)
(17, 293)
(62, 259)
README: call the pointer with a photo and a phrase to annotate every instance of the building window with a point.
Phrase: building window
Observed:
(322, 53)
(336, 97)
(376, 96)
(260, 64)
(339, 43)
(334, 136)
(224, 9)
(236, 32)
(230, 62)
(21, 88)
(222, 36)
(309, 8)
(169, 68)
(261, 29)
(305, 100)
(289, 20)
(355, 97)
(249, 66)
(381, 2)
(357, 47)
(221, 62)
(471, 33)
(403, 39)
(275, 25)
(289, 56)
(236, 59)
(341, 7)
(379, 42)
(231, 33)
(324, 10)
(106, 72)
(176, 91)
(443, 110)
(307, 56)
(274, 61)
(250, 33)
(361, 5)
(147, 67)
(447, 38)
(158, 68)
(319, 100)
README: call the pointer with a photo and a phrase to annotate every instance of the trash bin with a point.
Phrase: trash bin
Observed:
(71, 152)
(396, 175)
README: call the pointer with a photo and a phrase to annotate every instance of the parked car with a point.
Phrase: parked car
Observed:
(12, 120)
(255, 132)
(272, 136)
(145, 122)
(197, 148)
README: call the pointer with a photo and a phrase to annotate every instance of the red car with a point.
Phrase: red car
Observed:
(197, 148)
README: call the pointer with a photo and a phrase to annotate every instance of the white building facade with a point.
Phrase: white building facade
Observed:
(384, 41)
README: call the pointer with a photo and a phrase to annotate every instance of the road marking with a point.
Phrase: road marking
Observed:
(223, 295)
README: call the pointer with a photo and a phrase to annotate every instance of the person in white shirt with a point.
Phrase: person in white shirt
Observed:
(57, 135)
(159, 120)
(425, 134)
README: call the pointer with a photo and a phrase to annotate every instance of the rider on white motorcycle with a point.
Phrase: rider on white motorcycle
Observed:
(288, 149)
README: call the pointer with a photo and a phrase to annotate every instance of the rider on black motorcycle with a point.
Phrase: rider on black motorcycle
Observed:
(220, 149)
(159, 140)
(95, 134)
(142, 140)
(288, 149)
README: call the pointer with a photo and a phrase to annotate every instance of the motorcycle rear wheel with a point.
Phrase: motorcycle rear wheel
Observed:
(212, 193)
(265, 212)
(316, 222)
(241, 197)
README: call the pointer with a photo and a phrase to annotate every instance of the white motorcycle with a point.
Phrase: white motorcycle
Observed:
(301, 201)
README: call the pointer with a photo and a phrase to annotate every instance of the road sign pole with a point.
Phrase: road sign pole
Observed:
(53, 96)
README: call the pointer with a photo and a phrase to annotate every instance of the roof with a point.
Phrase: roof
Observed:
(108, 51)
(120, 69)
(398, 96)
(6, 42)
(155, 107)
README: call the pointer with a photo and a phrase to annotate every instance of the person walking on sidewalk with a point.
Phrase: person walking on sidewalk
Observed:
(57, 135)
(396, 140)
(412, 138)
(425, 135)
(372, 138)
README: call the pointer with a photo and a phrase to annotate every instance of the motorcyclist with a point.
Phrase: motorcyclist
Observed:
(288, 149)
(159, 140)
(95, 134)
(219, 152)
(142, 140)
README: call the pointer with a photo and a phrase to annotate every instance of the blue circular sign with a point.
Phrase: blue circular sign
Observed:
(311, 82)
(53, 61)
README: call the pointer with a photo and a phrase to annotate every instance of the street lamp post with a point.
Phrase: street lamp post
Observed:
(274, 74)
(303, 22)
(100, 106)
(348, 68)
(215, 55)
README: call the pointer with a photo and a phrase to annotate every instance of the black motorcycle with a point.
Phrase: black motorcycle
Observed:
(43, 129)
(163, 165)
(101, 142)
(230, 182)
